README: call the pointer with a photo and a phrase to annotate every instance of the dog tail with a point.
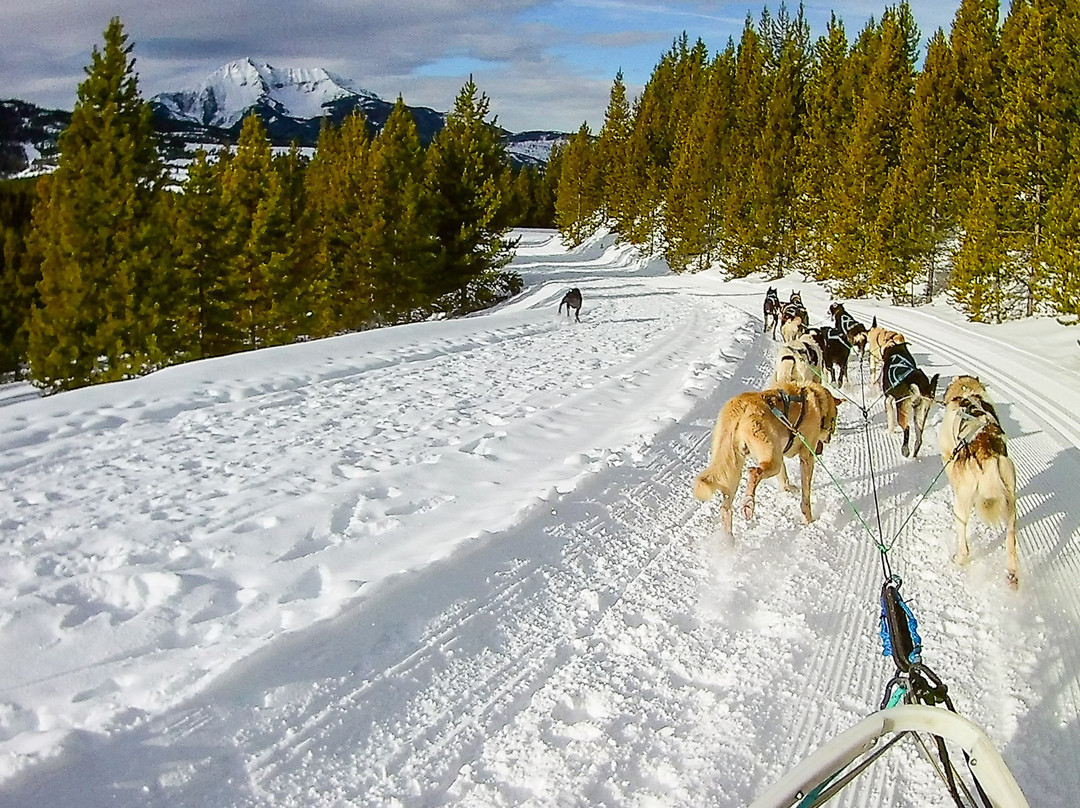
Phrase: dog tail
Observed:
(724, 469)
(995, 499)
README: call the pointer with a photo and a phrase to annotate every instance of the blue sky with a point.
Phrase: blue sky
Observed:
(544, 64)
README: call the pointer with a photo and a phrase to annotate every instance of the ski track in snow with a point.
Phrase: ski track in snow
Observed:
(596, 644)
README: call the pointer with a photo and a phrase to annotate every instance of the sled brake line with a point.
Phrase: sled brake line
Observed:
(913, 681)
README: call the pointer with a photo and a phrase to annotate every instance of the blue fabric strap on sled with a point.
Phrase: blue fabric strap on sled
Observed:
(899, 628)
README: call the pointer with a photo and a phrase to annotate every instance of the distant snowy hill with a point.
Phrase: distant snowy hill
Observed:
(533, 148)
(28, 136)
(293, 103)
(232, 91)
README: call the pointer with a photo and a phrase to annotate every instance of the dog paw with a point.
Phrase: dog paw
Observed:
(960, 559)
(1012, 580)
(748, 509)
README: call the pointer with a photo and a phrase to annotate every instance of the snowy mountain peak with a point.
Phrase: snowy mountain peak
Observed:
(233, 90)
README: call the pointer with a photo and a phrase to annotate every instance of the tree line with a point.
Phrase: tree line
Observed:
(113, 268)
(849, 162)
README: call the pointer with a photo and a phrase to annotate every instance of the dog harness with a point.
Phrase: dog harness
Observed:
(845, 322)
(974, 410)
(785, 417)
(835, 334)
(899, 367)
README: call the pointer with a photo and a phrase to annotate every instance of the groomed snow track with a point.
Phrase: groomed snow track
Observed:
(607, 650)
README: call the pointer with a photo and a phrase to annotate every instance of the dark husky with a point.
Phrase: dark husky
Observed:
(772, 311)
(835, 350)
(572, 300)
(854, 331)
(908, 394)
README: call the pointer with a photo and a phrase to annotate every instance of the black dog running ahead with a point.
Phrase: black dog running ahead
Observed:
(572, 300)
(771, 310)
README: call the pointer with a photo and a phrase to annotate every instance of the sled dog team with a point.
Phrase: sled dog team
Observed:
(796, 417)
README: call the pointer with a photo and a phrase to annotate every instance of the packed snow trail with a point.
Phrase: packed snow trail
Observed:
(577, 632)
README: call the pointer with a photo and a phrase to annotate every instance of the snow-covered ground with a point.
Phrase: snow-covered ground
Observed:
(458, 563)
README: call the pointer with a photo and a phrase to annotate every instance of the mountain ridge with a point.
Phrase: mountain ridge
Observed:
(293, 103)
(248, 83)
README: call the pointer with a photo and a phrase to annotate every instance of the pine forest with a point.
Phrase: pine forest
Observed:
(880, 166)
(853, 164)
(112, 269)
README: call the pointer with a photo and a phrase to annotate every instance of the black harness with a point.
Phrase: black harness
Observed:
(898, 367)
(845, 322)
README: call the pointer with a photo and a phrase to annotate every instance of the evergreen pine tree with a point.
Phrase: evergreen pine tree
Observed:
(579, 194)
(976, 49)
(404, 246)
(1039, 93)
(660, 120)
(18, 275)
(296, 295)
(1062, 253)
(925, 187)
(859, 256)
(340, 194)
(97, 235)
(1063, 243)
(1026, 167)
(772, 228)
(210, 292)
(257, 237)
(465, 168)
(982, 274)
(613, 160)
(693, 213)
(741, 196)
(829, 118)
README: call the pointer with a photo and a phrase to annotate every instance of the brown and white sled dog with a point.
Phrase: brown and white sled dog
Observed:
(980, 470)
(758, 425)
(798, 362)
(792, 327)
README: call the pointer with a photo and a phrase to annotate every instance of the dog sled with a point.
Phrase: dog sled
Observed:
(822, 775)
(916, 707)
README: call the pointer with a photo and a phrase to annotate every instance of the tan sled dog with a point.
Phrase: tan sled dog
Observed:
(877, 340)
(980, 471)
(758, 425)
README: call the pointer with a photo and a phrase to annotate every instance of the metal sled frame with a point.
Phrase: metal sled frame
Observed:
(815, 774)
